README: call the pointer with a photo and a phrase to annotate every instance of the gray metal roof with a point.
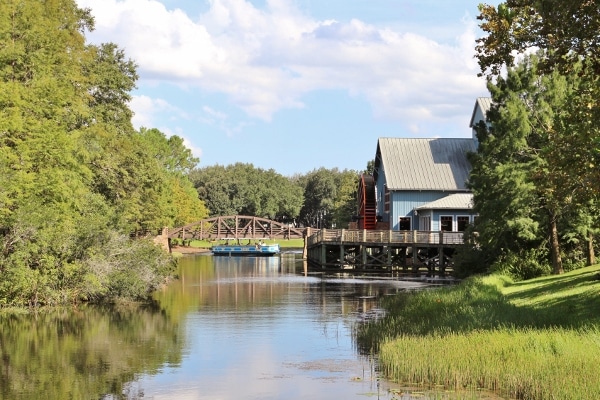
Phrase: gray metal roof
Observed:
(454, 201)
(424, 164)
(484, 103)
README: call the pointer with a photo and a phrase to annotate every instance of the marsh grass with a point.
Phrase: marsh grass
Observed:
(537, 339)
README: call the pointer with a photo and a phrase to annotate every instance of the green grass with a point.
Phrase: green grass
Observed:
(283, 243)
(536, 339)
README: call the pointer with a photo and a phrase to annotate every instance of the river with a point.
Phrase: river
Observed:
(228, 328)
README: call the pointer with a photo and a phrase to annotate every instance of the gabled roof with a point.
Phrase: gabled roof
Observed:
(424, 164)
(484, 104)
(454, 201)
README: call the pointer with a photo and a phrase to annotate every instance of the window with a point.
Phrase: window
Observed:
(461, 223)
(445, 223)
(386, 194)
(404, 223)
(425, 223)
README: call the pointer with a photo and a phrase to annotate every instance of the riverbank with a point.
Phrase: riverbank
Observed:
(189, 250)
(535, 339)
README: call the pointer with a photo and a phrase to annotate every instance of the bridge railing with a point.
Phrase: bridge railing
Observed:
(237, 227)
(385, 237)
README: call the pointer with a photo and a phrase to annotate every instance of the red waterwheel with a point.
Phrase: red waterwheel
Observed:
(367, 207)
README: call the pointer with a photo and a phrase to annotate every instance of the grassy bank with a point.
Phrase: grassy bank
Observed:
(537, 339)
(283, 243)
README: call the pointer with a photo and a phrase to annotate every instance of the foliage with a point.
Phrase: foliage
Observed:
(329, 197)
(74, 174)
(569, 29)
(566, 36)
(242, 189)
(525, 196)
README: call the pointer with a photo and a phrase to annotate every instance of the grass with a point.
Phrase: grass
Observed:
(283, 243)
(536, 339)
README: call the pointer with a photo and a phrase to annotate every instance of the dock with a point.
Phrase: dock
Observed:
(382, 250)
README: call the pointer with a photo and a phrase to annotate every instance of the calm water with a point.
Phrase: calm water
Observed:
(229, 328)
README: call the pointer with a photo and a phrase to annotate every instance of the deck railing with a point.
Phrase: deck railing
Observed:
(385, 237)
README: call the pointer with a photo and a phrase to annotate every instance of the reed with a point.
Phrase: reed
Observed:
(520, 363)
(537, 339)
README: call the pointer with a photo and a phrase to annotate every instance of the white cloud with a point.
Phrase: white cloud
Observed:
(267, 60)
(146, 109)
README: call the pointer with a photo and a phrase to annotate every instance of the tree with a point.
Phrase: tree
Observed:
(567, 35)
(345, 203)
(320, 191)
(74, 174)
(520, 189)
(242, 189)
(180, 201)
(566, 30)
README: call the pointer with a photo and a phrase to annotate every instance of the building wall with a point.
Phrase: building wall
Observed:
(434, 217)
(404, 203)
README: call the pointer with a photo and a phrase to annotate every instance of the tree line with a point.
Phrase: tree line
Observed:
(320, 198)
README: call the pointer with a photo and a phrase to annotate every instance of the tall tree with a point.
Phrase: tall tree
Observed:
(567, 33)
(75, 177)
(345, 203)
(518, 180)
(320, 192)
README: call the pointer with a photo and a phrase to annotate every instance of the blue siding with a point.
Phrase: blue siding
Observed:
(403, 204)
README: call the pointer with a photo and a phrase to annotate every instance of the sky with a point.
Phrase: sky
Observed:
(296, 85)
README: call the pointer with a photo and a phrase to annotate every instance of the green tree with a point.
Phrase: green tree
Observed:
(74, 174)
(320, 192)
(242, 189)
(566, 33)
(521, 192)
(180, 201)
(345, 203)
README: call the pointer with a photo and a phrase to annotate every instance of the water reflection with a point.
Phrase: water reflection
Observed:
(260, 328)
(228, 328)
(83, 353)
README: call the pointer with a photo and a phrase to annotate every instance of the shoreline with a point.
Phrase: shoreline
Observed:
(189, 250)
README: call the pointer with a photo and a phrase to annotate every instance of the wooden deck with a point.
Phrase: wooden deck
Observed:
(383, 250)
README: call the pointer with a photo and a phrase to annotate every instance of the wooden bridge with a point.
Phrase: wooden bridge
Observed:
(237, 227)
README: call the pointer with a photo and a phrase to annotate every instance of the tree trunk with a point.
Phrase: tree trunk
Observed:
(557, 267)
(591, 257)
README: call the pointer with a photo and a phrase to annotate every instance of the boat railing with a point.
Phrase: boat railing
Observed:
(385, 237)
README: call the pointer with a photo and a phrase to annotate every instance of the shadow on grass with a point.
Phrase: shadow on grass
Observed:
(569, 301)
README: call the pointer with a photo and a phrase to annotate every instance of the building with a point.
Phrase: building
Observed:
(421, 184)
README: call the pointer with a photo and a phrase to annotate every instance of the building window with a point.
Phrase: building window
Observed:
(405, 223)
(461, 223)
(386, 206)
(446, 223)
(425, 223)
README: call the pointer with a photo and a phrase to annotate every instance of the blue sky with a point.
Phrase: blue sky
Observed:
(295, 85)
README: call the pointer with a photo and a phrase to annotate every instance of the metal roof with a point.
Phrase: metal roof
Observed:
(484, 103)
(454, 201)
(424, 164)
